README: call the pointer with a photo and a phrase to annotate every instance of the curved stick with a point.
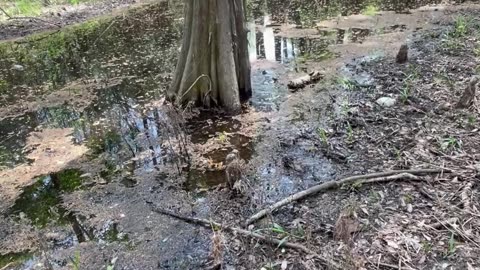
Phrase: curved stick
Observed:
(367, 178)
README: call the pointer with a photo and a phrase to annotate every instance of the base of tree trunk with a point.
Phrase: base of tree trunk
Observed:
(213, 68)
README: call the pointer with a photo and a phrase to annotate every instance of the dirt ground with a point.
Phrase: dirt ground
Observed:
(368, 114)
(54, 17)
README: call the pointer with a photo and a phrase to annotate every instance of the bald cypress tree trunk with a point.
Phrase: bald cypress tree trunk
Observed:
(213, 68)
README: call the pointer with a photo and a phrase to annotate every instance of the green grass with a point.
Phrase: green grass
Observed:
(461, 27)
(322, 133)
(370, 10)
(28, 8)
(347, 83)
(405, 92)
(450, 143)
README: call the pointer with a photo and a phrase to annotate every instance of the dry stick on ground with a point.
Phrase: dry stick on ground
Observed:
(465, 196)
(454, 229)
(35, 19)
(8, 16)
(211, 224)
(6, 266)
(363, 179)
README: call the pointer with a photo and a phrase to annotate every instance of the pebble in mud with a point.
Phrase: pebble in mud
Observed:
(386, 102)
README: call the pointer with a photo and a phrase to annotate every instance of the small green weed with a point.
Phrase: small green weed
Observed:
(350, 135)
(322, 133)
(452, 246)
(450, 143)
(76, 261)
(408, 198)
(370, 10)
(471, 120)
(347, 83)
(374, 196)
(28, 7)
(223, 137)
(427, 246)
(345, 107)
(461, 26)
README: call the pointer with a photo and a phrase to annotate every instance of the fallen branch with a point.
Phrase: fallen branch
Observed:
(278, 243)
(35, 19)
(301, 82)
(362, 179)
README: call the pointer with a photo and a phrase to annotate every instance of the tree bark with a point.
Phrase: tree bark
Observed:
(213, 68)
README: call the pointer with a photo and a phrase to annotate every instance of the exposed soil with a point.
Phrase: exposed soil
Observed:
(57, 16)
(100, 163)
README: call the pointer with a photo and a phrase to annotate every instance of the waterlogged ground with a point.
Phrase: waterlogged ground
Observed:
(88, 143)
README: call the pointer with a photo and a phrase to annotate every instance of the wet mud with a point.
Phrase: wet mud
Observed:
(78, 172)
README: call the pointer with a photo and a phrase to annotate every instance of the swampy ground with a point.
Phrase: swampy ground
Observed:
(88, 143)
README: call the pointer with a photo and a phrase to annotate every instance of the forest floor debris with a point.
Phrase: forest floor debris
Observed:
(328, 131)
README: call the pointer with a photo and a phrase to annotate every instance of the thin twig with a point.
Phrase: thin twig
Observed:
(278, 243)
(367, 178)
(7, 266)
(103, 32)
(454, 229)
(439, 225)
(35, 19)
(9, 17)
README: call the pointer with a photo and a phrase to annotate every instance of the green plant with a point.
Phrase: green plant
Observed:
(405, 92)
(412, 75)
(28, 7)
(345, 107)
(350, 135)
(322, 133)
(408, 198)
(450, 143)
(373, 196)
(370, 10)
(476, 51)
(427, 246)
(76, 261)
(471, 120)
(398, 153)
(452, 245)
(461, 26)
(223, 137)
(347, 83)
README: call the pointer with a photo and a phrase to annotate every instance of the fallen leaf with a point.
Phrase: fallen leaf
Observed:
(392, 244)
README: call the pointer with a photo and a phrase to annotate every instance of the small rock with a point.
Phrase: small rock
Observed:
(18, 67)
(409, 208)
(386, 101)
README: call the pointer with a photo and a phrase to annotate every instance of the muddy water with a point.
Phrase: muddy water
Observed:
(132, 134)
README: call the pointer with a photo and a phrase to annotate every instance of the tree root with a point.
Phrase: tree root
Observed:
(278, 243)
(360, 179)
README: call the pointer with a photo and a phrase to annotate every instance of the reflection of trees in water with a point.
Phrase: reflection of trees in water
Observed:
(305, 12)
(127, 132)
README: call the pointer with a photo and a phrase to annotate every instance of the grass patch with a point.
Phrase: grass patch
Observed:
(370, 10)
(27, 8)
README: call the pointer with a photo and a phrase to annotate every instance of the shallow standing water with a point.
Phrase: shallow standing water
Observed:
(119, 120)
